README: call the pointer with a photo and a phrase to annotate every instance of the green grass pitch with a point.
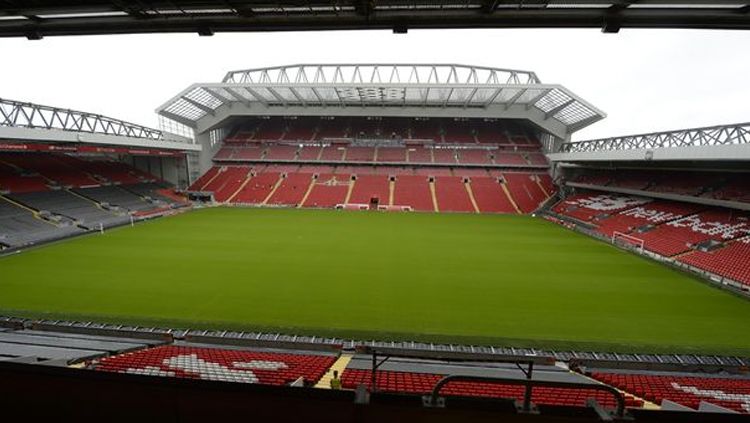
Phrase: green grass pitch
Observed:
(504, 280)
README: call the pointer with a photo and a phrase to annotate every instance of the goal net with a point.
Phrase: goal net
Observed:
(619, 238)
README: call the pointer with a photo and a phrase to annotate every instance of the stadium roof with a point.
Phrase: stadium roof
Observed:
(385, 89)
(29, 115)
(35, 19)
(731, 134)
(730, 142)
(29, 121)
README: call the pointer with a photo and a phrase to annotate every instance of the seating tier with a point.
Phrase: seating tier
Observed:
(268, 368)
(686, 390)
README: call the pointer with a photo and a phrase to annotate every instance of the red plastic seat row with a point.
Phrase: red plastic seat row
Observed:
(686, 390)
(442, 130)
(588, 206)
(290, 185)
(490, 196)
(676, 236)
(233, 179)
(653, 213)
(31, 172)
(730, 261)
(256, 188)
(423, 383)
(717, 185)
(526, 192)
(451, 194)
(328, 191)
(368, 188)
(15, 183)
(292, 189)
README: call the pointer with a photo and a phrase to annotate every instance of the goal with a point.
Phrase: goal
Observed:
(352, 206)
(625, 239)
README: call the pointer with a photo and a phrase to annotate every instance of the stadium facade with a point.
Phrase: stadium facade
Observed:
(378, 90)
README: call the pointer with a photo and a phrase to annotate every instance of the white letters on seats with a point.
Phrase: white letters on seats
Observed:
(654, 216)
(149, 371)
(743, 399)
(725, 230)
(606, 202)
(209, 370)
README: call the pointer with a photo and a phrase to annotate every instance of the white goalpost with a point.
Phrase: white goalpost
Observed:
(353, 206)
(629, 239)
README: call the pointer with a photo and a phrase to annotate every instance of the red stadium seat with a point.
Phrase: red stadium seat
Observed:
(328, 191)
(368, 187)
(413, 191)
(686, 390)
(292, 189)
(525, 190)
(729, 261)
(376, 148)
(489, 195)
(422, 383)
(452, 195)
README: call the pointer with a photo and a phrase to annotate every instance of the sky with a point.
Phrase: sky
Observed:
(645, 80)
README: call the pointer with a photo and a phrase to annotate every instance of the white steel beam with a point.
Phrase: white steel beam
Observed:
(239, 97)
(213, 93)
(511, 101)
(200, 106)
(558, 109)
(178, 118)
(493, 97)
(533, 101)
(257, 95)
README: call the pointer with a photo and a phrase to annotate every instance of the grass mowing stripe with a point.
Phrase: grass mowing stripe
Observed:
(442, 277)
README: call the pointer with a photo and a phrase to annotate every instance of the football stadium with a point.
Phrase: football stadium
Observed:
(372, 241)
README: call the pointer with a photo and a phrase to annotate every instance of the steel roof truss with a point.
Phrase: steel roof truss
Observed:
(732, 134)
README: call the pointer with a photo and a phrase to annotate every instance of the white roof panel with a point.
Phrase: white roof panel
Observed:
(386, 85)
